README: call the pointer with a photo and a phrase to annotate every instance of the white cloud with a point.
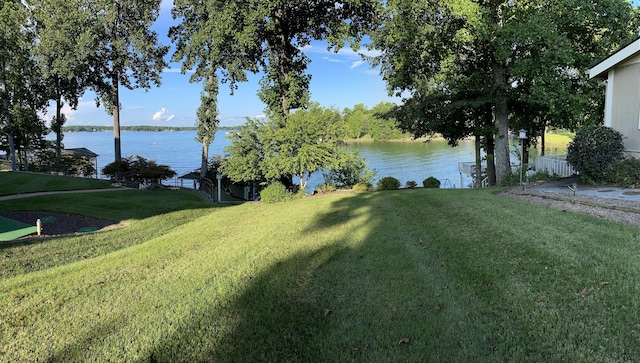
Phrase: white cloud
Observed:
(158, 115)
(162, 115)
(176, 70)
(334, 60)
(356, 64)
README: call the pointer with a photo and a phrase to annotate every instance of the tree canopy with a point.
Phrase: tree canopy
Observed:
(237, 37)
(481, 68)
(125, 52)
(64, 36)
(310, 141)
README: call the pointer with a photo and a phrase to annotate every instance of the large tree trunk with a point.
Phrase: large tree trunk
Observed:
(489, 147)
(500, 107)
(542, 141)
(115, 107)
(501, 119)
(58, 131)
(5, 105)
(478, 147)
(204, 160)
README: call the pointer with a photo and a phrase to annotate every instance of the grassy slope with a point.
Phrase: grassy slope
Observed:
(417, 275)
(19, 182)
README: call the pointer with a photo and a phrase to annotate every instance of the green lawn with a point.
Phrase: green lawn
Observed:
(406, 276)
(19, 182)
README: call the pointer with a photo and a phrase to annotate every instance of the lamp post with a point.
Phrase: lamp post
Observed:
(522, 135)
(219, 178)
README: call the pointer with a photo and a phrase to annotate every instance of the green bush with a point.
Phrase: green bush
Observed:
(112, 169)
(625, 173)
(275, 192)
(362, 187)
(352, 170)
(593, 152)
(388, 183)
(137, 170)
(326, 187)
(411, 184)
(510, 179)
(513, 179)
(431, 182)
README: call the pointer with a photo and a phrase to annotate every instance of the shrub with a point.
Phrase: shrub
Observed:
(136, 170)
(362, 187)
(411, 184)
(510, 179)
(388, 183)
(326, 187)
(352, 170)
(431, 182)
(625, 173)
(593, 152)
(112, 169)
(275, 192)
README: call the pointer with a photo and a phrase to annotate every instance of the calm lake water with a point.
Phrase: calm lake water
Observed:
(178, 149)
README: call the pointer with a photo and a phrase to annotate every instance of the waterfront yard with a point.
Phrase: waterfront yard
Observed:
(405, 276)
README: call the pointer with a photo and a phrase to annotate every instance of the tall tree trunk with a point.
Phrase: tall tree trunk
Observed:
(5, 105)
(478, 147)
(204, 160)
(542, 140)
(489, 147)
(501, 119)
(115, 107)
(58, 131)
(500, 107)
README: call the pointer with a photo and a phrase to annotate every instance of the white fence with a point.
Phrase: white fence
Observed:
(555, 164)
(469, 167)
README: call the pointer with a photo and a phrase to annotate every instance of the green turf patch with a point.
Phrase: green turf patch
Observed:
(10, 229)
(48, 219)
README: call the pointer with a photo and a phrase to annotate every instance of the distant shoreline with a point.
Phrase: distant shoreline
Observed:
(139, 128)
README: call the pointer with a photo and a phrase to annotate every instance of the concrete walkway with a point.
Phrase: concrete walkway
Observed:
(567, 186)
(37, 194)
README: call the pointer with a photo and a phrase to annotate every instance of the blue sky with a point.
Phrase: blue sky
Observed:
(338, 80)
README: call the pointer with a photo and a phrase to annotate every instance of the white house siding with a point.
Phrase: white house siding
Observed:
(625, 108)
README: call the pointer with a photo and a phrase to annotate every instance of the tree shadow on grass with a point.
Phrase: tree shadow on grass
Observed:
(331, 304)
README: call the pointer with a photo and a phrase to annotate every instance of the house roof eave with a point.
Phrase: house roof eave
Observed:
(601, 69)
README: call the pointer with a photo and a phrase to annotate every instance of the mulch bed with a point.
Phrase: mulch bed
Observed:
(54, 223)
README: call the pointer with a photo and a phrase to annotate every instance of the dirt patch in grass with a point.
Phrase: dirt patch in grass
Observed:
(54, 223)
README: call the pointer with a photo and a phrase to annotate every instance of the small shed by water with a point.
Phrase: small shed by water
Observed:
(82, 151)
(621, 72)
(194, 176)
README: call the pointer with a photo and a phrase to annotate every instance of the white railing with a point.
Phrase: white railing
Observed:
(469, 167)
(555, 164)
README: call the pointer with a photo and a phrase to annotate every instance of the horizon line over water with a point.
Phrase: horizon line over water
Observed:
(406, 161)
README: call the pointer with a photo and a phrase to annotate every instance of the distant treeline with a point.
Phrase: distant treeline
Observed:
(135, 128)
(359, 123)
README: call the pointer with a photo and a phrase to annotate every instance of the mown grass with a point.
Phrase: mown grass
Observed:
(20, 182)
(405, 276)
